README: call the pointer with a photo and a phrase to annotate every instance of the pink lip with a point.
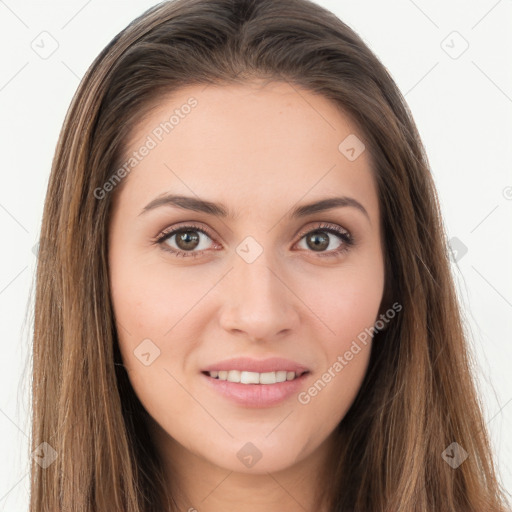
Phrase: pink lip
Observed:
(248, 364)
(256, 395)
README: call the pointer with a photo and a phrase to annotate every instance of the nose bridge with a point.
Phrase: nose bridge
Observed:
(257, 301)
(255, 275)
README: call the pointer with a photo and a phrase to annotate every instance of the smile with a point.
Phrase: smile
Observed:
(255, 390)
(247, 377)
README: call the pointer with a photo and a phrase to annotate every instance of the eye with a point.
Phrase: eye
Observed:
(189, 237)
(318, 240)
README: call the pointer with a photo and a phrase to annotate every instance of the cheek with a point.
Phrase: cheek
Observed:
(348, 306)
(151, 311)
(159, 320)
(149, 300)
(347, 302)
(348, 311)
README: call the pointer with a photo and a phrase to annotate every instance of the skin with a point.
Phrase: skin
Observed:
(261, 150)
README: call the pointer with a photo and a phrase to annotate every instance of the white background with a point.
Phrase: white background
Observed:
(462, 107)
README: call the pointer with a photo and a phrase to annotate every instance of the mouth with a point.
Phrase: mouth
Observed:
(250, 382)
(253, 389)
(248, 377)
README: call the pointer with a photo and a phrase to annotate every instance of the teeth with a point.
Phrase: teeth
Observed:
(244, 377)
(234, 376)
(249, 378)
(281, 376)
(268, 378)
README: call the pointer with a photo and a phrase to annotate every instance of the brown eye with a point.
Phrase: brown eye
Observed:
(317, 240)
(187, 240)
(320, 239)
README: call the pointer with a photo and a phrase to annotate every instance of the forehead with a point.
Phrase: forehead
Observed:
(248, 145)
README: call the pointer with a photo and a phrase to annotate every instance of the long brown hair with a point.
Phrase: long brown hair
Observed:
(419, 394)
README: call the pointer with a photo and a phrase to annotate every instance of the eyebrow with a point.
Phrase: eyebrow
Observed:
(219, 210)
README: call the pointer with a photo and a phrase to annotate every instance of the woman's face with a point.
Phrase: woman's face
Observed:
(261, 284)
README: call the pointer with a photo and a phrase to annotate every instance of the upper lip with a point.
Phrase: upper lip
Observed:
(272, 364)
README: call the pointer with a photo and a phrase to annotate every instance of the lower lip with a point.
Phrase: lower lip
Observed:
(257, 395)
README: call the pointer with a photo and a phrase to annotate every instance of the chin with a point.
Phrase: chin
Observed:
(258, 455)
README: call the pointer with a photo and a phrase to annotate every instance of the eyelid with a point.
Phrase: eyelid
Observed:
(324, 226)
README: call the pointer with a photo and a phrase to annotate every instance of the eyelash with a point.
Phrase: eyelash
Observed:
(347, 239)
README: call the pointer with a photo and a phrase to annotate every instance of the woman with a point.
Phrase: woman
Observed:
(245, 300)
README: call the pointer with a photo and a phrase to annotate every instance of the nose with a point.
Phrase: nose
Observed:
(258, 301)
